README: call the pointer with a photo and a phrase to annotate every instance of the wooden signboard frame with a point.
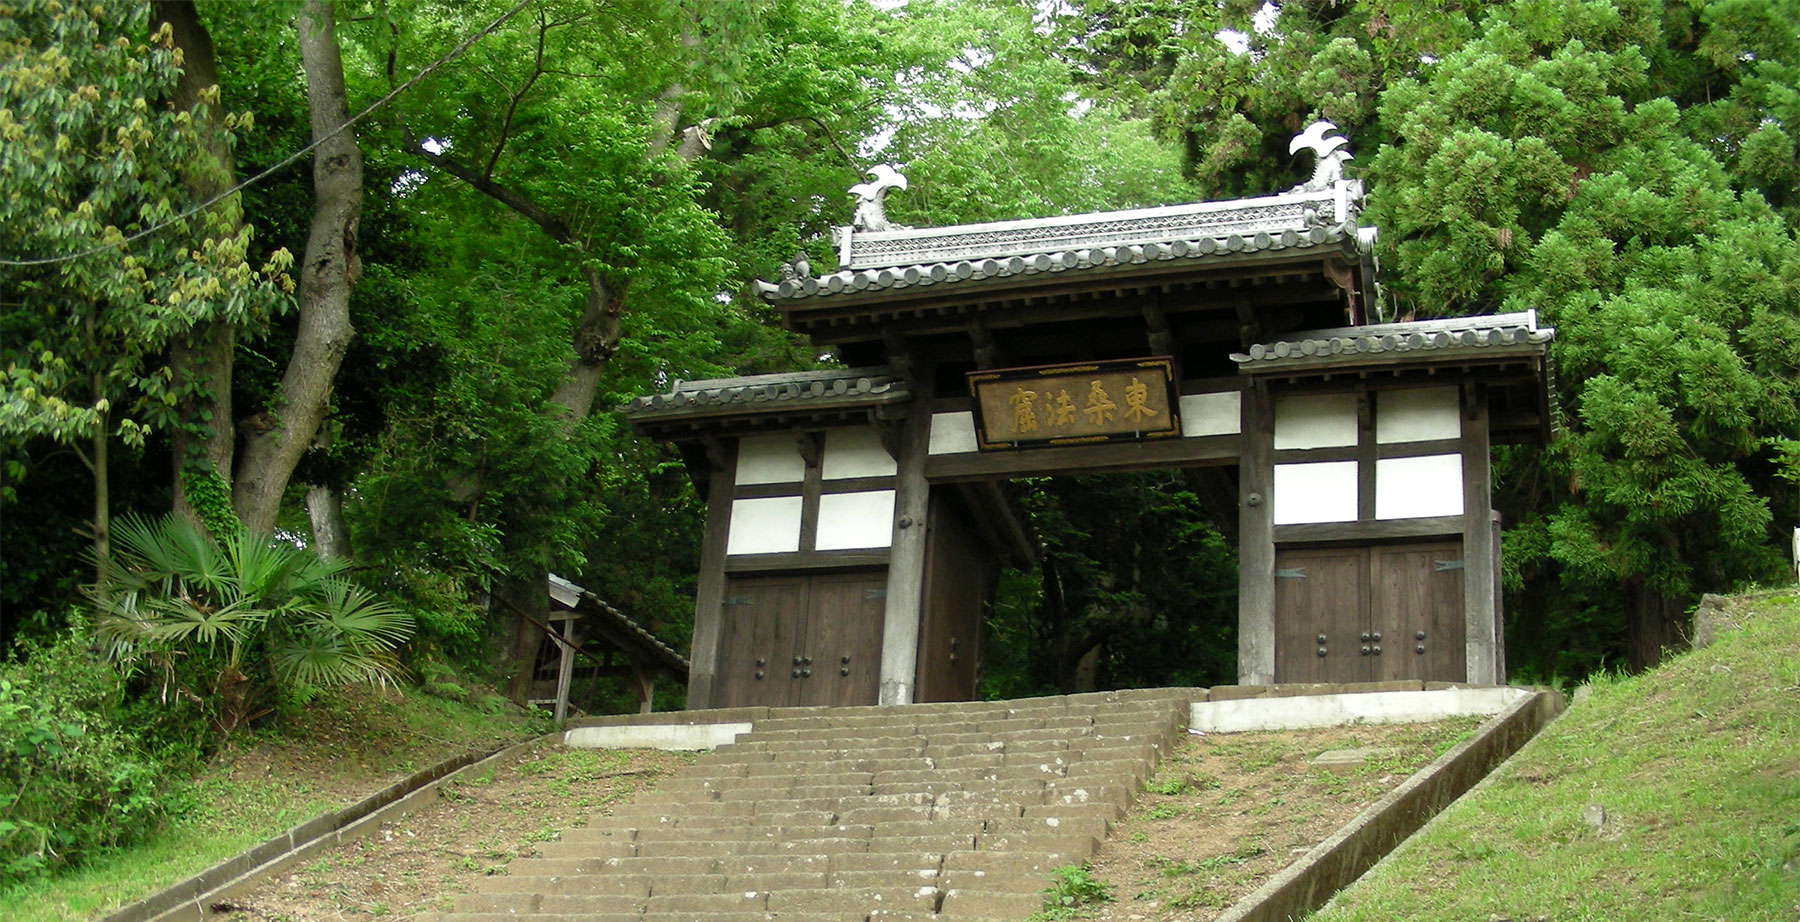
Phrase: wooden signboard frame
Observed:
(1087, 403)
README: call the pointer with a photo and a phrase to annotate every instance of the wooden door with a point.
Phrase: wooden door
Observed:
(759, 637)
(1416, 612)
(1321, 593)
(1370, 604)
(794, 640)
(959, 580)
(839, 657)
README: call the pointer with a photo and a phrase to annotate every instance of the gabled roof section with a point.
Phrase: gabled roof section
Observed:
(975, 252)
(832, 390)
(875, 256)
(1455, 339)
(618, 629)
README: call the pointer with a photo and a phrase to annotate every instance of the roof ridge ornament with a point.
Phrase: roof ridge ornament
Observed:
(1329, 155)
(871, 211)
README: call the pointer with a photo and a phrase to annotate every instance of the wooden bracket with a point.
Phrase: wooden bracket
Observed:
(810, 448)
(1339, 274)
(1161, 342)
(899, 357)
(1246, 321)
(987, 353)
(886, 421)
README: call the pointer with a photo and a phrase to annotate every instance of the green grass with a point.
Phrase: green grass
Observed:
(343, 747)
(1696, 766)
(1072, 893)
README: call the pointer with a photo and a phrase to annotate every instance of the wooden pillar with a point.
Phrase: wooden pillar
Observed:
(1481, 604)
(643, 678)
(709, 595)
(906, 558)
(1256, 539)
(565, 666)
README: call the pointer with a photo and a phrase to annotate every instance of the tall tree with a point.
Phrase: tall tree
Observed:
(1623, 167)
(104, 272)
(275, 438)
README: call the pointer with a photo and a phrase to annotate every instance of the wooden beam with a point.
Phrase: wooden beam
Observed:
(709, 594)
(1481, 603)
(906, 561)
(805, 560)
(1369, 531)
(1365, 455)
(1109, 456)
(993, 514)
(1256, 540)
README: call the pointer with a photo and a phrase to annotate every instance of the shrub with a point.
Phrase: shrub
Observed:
(224, 622)
(73, 779)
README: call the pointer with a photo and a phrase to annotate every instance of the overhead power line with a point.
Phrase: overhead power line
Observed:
(448, 56)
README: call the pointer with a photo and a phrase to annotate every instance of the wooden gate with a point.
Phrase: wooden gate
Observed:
(792, 641)
(1370, 614)
(959, 581)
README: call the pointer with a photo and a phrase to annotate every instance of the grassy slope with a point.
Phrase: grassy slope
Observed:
(1697, 768)
(342, 748)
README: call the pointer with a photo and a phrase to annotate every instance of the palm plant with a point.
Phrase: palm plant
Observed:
(243, 611)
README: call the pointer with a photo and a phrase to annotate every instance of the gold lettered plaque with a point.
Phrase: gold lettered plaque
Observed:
(1075, 404)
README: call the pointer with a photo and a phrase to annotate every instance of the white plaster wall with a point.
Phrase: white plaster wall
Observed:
(764, 525)
(952, 433)
(769, 459)
(1416, 488)
(1212, 414)
(855, 453)
(849, 521)
(1322, 491)
(1417, 415)
(1315, 421)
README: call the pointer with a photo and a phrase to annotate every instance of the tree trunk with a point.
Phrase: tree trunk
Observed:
(325, 509)
(596, 339)
(523, 600)
(1654, 623)
(275, 441)
(102, 503)
(205, 355)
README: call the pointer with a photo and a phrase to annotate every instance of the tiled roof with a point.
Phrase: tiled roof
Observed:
(592, 606)
(878, 260)
(1431, 340)
(832, 388)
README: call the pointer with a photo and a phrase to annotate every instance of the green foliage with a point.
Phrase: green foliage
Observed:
(1072, 890)
(210, 497)
(1133, 579)
(74, 781)
(221, 621)
(1626, 168)
(92, 153)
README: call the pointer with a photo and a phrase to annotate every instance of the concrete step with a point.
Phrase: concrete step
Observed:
(910, 814)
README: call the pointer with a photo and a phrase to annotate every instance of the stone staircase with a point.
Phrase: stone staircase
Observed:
(864, 814)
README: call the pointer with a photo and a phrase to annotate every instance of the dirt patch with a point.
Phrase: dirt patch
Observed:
(483, 822)
(1227, 811)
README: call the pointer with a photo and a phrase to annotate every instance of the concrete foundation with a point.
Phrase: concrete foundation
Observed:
(683, 737)
(1308, 711)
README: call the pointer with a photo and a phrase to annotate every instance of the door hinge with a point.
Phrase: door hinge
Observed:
(1293, 573)
(738, 600)
(1445, 566)
(874, 593)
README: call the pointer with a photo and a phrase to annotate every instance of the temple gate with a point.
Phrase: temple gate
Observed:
(854, 522)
